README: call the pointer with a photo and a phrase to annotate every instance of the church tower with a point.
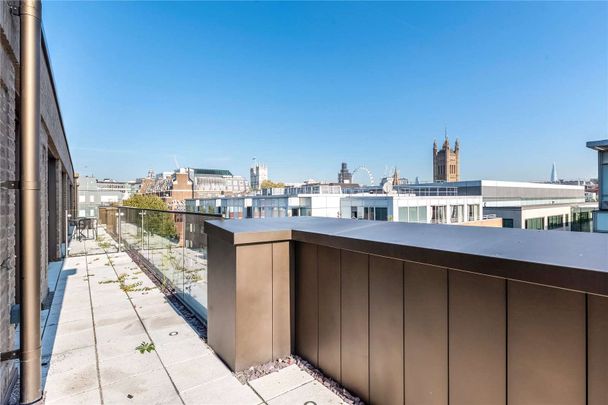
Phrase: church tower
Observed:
(446, 162)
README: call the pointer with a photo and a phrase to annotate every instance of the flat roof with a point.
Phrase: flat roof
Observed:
(216, 172)
(571, 260)
(600, 146)
(501, 183)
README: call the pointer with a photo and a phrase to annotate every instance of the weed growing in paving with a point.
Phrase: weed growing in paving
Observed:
(145, 347)
(130, 287)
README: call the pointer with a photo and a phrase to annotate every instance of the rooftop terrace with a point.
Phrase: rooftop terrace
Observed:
(104, 306)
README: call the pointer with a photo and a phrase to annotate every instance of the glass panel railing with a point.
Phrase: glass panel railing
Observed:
(173, 245)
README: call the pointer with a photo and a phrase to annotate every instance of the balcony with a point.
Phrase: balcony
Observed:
(386, 312)
(137, 280)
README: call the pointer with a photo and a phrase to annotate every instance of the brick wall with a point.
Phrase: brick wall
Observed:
(8, 70)
(53, 141)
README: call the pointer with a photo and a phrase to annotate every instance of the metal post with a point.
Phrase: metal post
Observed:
(30, 15)
(142, 229)
(118, 215)
(67, 232)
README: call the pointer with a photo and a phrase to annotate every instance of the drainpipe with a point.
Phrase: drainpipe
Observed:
(30, 202)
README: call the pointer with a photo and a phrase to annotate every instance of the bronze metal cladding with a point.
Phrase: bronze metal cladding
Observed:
(426, 335)
(30, 387)
(329, 311)
(221, 299)
(597, 335)
(281, 300)
(546, 345)
(307, 308)
(394, 330)
(386, 374)
(253, 305)
(477, 339)
(355, 323)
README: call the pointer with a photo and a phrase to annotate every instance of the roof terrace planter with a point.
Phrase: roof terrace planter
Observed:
(381, 307)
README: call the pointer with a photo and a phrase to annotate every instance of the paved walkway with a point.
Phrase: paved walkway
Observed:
(104, 306)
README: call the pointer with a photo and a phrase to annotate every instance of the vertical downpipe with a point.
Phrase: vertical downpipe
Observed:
(30, 202)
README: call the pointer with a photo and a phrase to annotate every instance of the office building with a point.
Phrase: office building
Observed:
(93, 193)
(412, 208)
(528, 205)
(330, 202)
(600, 216)
(217, 182)
(181, 184)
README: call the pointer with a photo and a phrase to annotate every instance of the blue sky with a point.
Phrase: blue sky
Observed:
(305, 86)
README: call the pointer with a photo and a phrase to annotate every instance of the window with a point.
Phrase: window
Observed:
(81, 198)
(422, 215)
(473, 212)
(535, 223)
(507, 223)
(457, 213)
(438, 214)
(92, 212)
(381, 213)
(91, 198)
(81, 213)
(412, 214)
(555, 221)
(604, 181)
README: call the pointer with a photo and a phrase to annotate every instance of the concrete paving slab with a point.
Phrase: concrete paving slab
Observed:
(312, 392)
(168, 334)
(115, 333)
(176, 352)
(79, 325)
(53, 344)
(110, 318)
(127, 365)
(71, 382)
(70, 360)
(272, 385)
(227, 390)
(164, 320)
(120, 346)
(112, 306)
(153, 388)
(91, 397)
(191, 373)
(152, 310)
(69, 315)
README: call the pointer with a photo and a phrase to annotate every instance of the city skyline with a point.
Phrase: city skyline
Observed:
(521, 85)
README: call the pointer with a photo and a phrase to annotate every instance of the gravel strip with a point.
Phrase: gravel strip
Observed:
(261, 370)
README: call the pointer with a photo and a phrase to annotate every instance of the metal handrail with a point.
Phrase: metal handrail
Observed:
(170, 211)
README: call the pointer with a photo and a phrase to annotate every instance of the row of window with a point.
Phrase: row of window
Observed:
(412, 214)
(441, 169)
(553, 222)
(83, 213)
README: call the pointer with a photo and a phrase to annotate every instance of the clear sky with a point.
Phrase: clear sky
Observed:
(305, 86)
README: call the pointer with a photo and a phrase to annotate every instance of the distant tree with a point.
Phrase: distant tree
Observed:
(271, 184)
(160, 223)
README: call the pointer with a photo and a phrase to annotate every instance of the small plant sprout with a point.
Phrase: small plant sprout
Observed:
(145, 347)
